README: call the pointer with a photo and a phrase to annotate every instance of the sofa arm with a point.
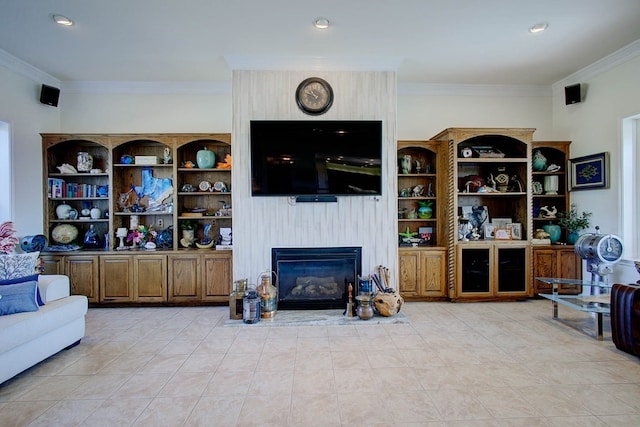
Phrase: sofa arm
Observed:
(53, 287)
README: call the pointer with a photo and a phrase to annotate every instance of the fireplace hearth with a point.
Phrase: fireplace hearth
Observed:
(315, 278)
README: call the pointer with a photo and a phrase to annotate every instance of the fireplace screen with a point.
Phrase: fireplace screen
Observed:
(315, 278)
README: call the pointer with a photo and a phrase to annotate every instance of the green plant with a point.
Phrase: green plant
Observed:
(187, 224)
(572, 221)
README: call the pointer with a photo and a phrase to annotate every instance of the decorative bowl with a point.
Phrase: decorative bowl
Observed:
(204, 245)
(64, 233)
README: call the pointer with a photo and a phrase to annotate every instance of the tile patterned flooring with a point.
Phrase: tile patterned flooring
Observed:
(462, 364)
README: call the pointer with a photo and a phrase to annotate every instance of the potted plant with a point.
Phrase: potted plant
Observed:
(573, 222)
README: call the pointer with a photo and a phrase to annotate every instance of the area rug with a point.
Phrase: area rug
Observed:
(318, 317)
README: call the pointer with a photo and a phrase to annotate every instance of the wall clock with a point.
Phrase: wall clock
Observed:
(314, 96)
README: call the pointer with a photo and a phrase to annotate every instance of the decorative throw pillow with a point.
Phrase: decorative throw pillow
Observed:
(14, 266)
(32, 278)
(18, 298)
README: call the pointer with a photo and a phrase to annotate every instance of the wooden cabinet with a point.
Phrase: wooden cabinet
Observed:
(83, 275)
(116, 278)
(185, 277)
(150, 278)
(216, 276)
(487, 271)
(423, 273)
(422, 211)
(490, 189)
(151, 179)
(556, 261)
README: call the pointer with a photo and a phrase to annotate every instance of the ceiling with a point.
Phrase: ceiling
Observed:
(426, 41)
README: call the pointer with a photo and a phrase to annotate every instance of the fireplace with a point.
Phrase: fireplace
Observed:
(315, 278)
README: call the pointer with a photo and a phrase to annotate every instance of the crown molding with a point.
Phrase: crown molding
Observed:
(25, 69)
(422, 89)
(139, 87)
(313, 63)
(627, 53)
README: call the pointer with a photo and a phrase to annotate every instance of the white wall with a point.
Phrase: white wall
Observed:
(595, 126)
(262, 223)
(26, 117)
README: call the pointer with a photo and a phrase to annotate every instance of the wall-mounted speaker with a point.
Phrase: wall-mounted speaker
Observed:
(49, 95)
(572, 94)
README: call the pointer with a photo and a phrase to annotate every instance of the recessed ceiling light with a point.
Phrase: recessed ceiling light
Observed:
(62, 20)
(539, 27)
(321, 23)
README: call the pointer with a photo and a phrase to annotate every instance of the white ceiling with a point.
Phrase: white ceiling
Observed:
(426, 41)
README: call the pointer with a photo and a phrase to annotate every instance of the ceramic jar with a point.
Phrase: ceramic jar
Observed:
(63, 211)
(95, 213)
(205, 158)
(554, 231)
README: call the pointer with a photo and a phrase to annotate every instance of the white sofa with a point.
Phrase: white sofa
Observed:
(28, 338)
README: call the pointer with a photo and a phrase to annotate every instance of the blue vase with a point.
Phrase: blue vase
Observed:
(572, 238)
(91, 240)
(554, 231)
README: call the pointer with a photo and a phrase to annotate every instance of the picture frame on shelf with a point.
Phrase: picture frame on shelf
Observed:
(502, 234)
(425, 233)
(589, 172)
(488, 231)
(501, 222)
(516, 230)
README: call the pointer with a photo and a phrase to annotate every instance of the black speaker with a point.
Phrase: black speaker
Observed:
(49, 95)
(572, 94)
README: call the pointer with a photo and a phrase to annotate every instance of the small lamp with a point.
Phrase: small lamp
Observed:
(121, 233)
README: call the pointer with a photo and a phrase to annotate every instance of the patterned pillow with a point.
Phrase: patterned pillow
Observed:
(18, 265)
(18, 298)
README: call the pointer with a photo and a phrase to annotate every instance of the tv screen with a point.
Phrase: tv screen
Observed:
(297, 158)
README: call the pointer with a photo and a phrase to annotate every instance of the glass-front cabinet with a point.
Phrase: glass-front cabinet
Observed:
(489, 216)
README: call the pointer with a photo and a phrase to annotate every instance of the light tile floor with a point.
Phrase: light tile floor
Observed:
(469, 364)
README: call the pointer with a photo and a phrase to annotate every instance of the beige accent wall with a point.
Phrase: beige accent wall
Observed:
(261, 223)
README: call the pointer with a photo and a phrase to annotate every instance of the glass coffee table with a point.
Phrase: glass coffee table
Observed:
(599, 303)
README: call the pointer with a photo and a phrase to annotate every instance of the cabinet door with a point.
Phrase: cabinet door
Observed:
(512, 270)
(184, 277)
(409, 262)
(433, 271)
(52, 264)
(150, 272)
(544, 265)
(474, 271)
(83, 275)
(569, 267)
(116, 278)
(217, 277)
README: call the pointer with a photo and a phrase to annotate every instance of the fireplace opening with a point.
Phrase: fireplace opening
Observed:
(315, 278)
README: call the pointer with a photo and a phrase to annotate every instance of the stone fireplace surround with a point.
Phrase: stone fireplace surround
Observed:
(315, 278)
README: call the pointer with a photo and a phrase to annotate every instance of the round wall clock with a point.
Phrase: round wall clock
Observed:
(314, 96)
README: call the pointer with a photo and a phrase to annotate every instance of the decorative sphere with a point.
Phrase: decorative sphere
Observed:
(64, 233)
(62, 211)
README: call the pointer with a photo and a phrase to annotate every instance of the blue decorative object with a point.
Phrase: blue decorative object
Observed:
(126, 159)
(205, 158)
(33, 243)
(91, 240)
(165, 238)
(539, 162)
(554, 231)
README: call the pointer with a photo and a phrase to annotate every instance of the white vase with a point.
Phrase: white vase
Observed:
(96, 213)
(551, 184)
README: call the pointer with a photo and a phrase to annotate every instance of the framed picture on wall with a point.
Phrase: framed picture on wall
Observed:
(589, 172)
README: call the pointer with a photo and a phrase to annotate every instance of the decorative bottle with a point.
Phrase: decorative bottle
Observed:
(251, 306)
(268, 294)
(91, 240)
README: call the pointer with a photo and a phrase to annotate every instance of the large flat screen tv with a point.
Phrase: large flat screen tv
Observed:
(309, 158)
